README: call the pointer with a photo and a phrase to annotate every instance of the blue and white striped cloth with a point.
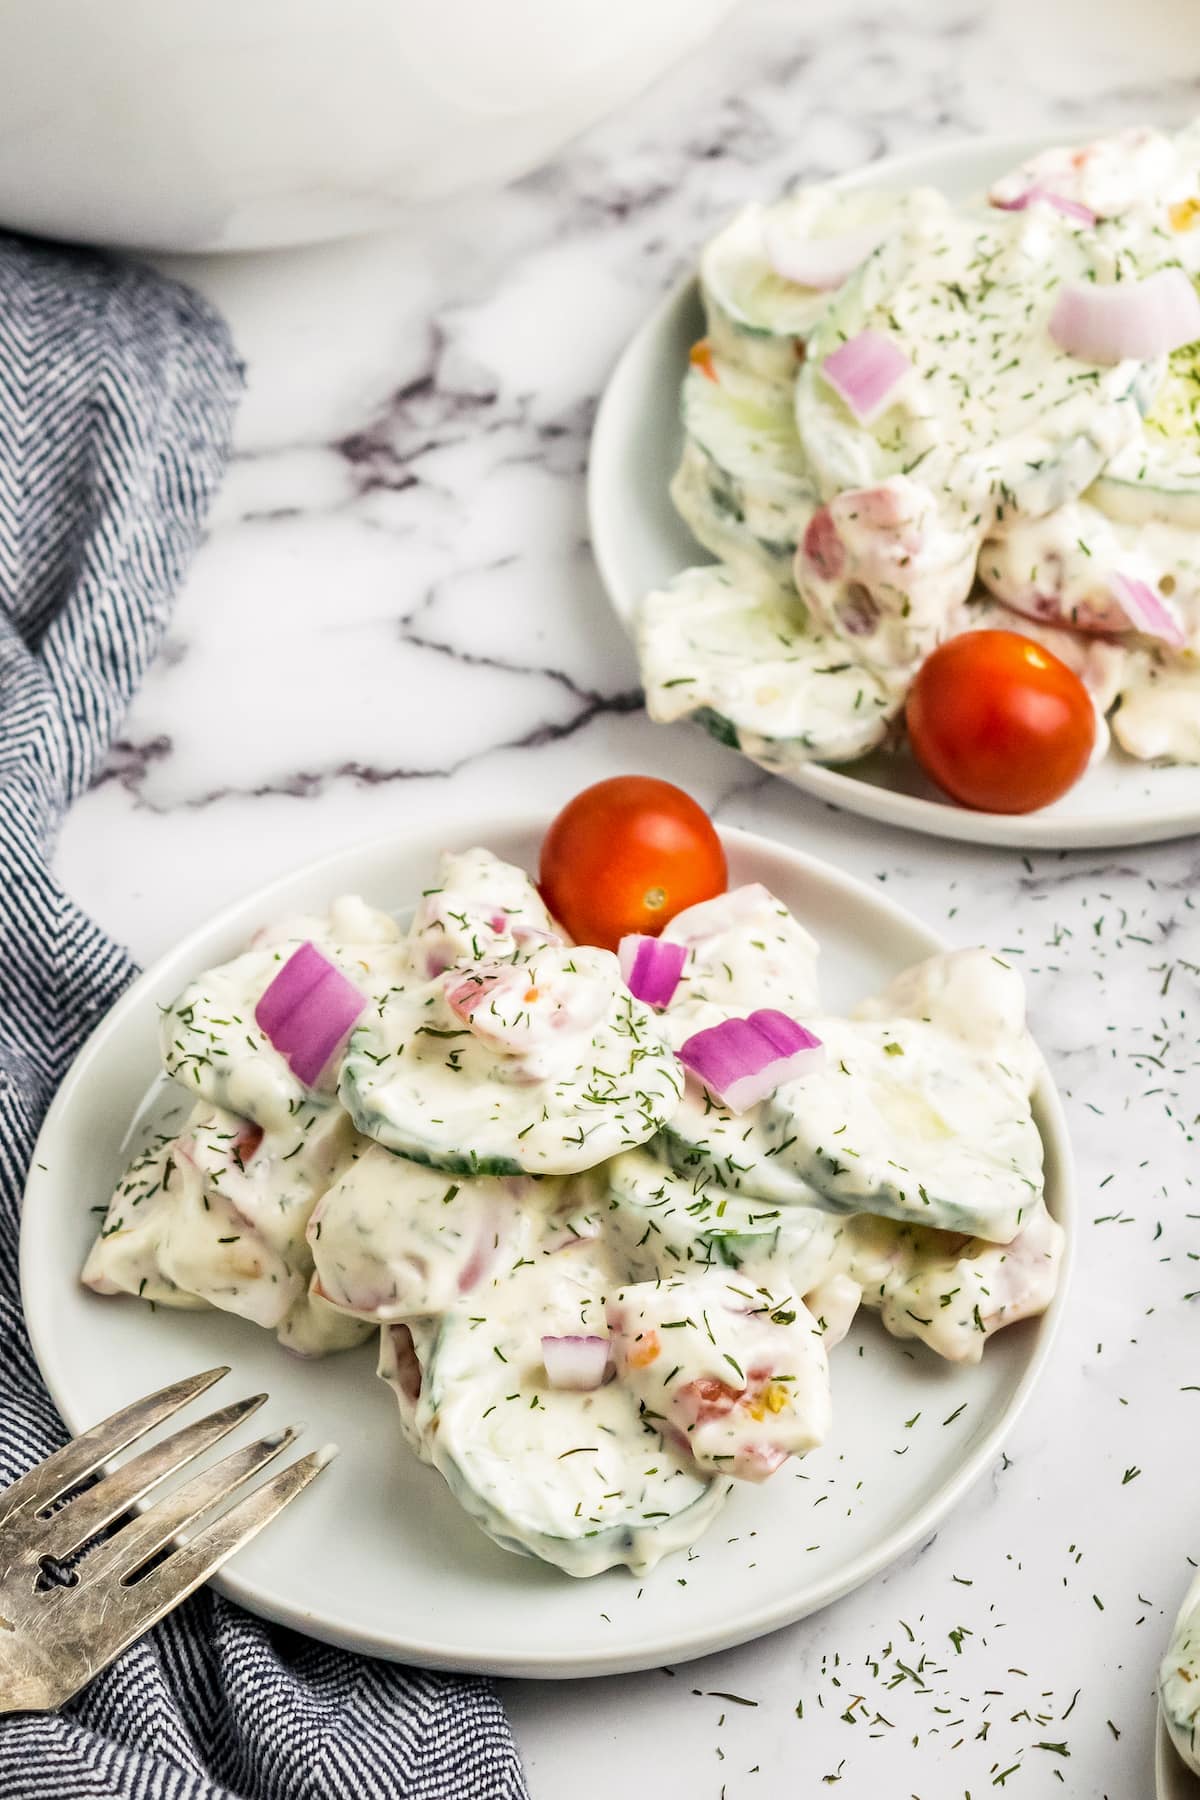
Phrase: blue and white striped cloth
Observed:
(117, 393)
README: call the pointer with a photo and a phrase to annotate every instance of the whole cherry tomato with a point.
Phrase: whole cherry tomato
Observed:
(999, 722)
(627, 855)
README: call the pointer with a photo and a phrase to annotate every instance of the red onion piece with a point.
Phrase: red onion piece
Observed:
(1139, 319)
(578, 1363)
(651, 967)
(1071, 209)
(864, 372)
(246, 1142)
(307, 1011)
(1145, 611)
(742, 1061)
(408, 1365)
(818, 262)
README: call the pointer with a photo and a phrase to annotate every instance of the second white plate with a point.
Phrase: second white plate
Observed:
(640, 543)
(377, 1555)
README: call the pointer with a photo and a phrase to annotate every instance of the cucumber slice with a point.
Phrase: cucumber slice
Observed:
(756, 317)
(746, 1154)
(746, 433)
(908, 1122)
(216, 1216)
(965, 297)
(703, 504)
(312, 1327)
(929, 1132)
(665, 1222)
(580, 1480)
(971, 995)
(1179, 1680)
(746, 663)
(394, 1240)
(212, 1045)
(421, 1079)
(949, 1291)
(124, 1258)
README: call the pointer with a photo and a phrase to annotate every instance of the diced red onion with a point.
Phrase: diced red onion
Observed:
(651, 967)
(246, 1142)
(1071, 209)
(864, 371)
(742, 1061)
(307, 1011)
(408, 1364)
(1138, 319)
(578, 1363)
(1145, 611)
(817, 262)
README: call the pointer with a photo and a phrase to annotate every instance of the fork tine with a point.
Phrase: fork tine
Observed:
(84, 1455)
(133, 1610)
(98, 1506)
(142, 1538)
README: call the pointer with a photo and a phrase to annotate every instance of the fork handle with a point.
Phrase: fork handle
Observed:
(36, 1677)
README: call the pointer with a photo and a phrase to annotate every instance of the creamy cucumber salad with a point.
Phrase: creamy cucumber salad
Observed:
(606, 1214)
(909, 420)
(1179, 1680)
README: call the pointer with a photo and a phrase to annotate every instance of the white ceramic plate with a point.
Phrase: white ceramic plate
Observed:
(1173, 1780)
(640, 543)
(377, 1555)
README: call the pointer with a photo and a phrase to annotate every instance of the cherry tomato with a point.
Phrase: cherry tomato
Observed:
(999, 722)
(627, 855)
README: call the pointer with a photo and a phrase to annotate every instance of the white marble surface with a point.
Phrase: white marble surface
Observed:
(395, 620)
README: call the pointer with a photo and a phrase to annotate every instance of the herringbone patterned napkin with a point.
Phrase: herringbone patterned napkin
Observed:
(117, 391)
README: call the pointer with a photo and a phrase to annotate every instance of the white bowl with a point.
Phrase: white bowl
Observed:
(224, 126)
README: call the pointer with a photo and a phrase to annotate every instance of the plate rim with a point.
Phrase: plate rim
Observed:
(427, 842)
(826, 782)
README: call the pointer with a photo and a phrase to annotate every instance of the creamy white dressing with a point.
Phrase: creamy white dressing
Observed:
(1158, 715)
(583, 1480)
(214, 1048)
(709, 1261)
(216, 1216)
(998, 459)
(1179, 1680)
(744, 948)
(1059, 569)
(758, 564)
(947, 1289)
(750, 667)
(754, 465)
(993, 419)
(566, 1070)
(972, 995)
(739, 1371)
(480, 908)
(756, 318)
(393, 1240)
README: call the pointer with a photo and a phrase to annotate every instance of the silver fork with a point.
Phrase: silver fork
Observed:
(55, 1634)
